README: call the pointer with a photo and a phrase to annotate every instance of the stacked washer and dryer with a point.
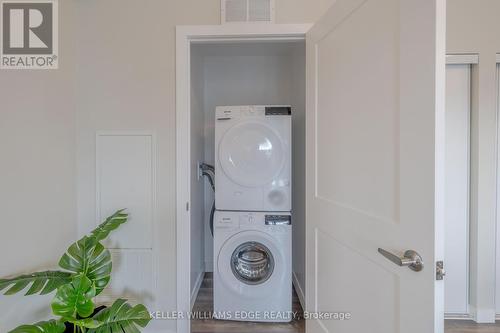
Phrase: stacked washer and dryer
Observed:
(252, 223)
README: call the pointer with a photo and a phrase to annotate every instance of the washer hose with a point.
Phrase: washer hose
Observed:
(212, 219)
(209, 172)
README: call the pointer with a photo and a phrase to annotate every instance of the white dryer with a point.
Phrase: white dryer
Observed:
(253, 158)
(253, 266)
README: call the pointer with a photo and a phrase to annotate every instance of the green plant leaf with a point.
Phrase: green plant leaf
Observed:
(51, 326)
(90, 258)
(111, 223)
(41, 282)
(121, 317)
(74, 298)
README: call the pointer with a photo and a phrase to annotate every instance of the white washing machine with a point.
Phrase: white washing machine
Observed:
(253, 158)
(253, 266)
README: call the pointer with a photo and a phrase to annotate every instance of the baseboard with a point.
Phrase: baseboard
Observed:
(483, 316)
(299, 290)
(486, 316)
(458, 316)
(196, 289)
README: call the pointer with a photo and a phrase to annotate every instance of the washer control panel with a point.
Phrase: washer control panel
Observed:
(278, 110)
(229, 112)
(278, 219)
(242, 220)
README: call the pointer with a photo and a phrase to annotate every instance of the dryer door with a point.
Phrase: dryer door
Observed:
(251, 154)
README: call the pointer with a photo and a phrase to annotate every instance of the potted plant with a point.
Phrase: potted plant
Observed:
(86, 272)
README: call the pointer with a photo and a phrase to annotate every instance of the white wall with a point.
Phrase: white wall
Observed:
(473, 27)
(37, 167)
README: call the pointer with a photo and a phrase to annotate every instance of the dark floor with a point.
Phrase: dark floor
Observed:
(468, 326)
(204, 304)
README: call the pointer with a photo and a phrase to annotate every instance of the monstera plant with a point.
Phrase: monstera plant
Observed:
(86, 272)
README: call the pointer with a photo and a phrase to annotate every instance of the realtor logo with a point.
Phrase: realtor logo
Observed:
(29, 34)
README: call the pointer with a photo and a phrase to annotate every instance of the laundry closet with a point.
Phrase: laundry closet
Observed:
(247, 74)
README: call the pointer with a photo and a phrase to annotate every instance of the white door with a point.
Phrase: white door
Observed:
(375, 143)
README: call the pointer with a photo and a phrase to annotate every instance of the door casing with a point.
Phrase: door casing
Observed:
(185, 37)
(470, 60)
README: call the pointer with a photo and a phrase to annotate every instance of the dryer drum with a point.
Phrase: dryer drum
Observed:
(252, 263)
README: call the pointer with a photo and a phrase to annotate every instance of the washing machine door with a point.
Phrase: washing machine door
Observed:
(252, 154)
(251, 264)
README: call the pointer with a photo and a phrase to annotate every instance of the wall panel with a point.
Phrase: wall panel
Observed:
(125, 178)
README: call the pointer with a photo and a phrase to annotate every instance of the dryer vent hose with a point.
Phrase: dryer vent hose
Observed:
(208, 171)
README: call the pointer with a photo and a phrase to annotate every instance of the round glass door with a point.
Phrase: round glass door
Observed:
(252, 263)
(251, 154)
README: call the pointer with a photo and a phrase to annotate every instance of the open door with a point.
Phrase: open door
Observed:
(375, 109)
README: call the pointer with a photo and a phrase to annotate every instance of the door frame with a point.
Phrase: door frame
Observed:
(185, 37)
(469, 59)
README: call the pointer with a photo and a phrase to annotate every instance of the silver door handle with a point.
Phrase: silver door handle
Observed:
(411, 259)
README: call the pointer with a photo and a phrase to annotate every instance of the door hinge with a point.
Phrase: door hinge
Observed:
(440, 272)
(187, 206)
